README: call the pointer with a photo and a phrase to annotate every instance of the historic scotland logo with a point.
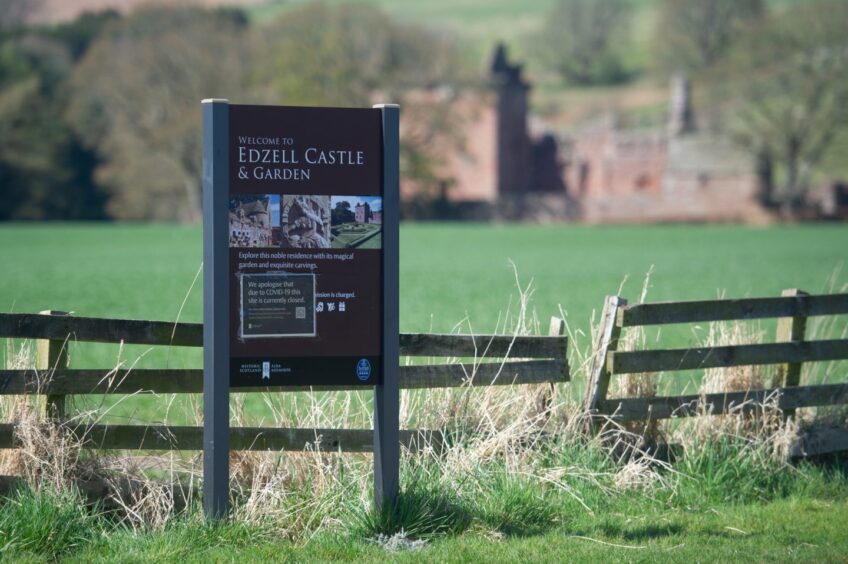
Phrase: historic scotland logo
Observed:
(363, 369)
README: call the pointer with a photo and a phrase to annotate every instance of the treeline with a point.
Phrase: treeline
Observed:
(100, 117)
(776, 80)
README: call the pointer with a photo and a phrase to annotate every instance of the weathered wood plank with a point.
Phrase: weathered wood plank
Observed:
(161, 437)
(485, 374)
(99, 381)
(608, 335)
(106, 492)
(736, 355)
(820, 441)
(791, 329)
(664, 407)
(93, 329)
(130, 331)
(662, 313)
(556, 327)
(479, 346)
(51, 354)
(187, 381)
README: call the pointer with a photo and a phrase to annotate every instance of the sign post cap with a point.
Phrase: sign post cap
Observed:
(214, 101)
(378, 106)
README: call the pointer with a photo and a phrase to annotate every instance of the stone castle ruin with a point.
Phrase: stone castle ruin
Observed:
(250, 222)
(515, 168)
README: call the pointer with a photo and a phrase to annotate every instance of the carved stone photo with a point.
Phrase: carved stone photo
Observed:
(254, 220)
(305, 222)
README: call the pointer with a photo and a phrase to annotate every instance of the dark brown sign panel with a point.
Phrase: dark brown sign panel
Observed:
(305, 246)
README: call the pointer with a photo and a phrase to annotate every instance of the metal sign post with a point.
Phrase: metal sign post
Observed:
(387, 393)
(216, 346)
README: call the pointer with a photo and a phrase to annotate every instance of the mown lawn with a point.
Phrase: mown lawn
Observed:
(791, 530)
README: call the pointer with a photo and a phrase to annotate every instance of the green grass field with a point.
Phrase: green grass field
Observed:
(714, 506)
(452, 276)
(450, 273)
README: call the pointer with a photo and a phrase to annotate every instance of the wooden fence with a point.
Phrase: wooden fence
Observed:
(494, 360)
(485, 360)
(789, 352)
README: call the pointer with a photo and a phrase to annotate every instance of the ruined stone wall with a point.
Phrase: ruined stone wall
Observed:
(605, 161)
(702, 178)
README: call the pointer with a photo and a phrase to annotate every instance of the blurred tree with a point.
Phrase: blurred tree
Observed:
(341, 213)
(45, 173)
(355, 55)
(789, 81)
(135, 98)
(16, 13)
(580, 40)
(694, 34)
(324, 55)
(78, 34)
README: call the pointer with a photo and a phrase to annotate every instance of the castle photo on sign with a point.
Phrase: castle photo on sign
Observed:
(255, 221)
(357, 222)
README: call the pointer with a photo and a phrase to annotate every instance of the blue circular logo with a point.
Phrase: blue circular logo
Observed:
(363, 369)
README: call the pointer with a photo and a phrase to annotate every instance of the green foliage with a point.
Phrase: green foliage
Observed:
(78, 34)
(582, 39)
(323, 55)
(694, 34)
(44, 171)
(788, 83)
(46, 522)
(134, 99)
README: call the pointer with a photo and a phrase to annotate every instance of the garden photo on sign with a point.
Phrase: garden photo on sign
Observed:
(357, 222)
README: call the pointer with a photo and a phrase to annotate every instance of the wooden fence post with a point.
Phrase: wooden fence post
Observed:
(790, 329)
(608, 334)
(556, 328)
(52, 354)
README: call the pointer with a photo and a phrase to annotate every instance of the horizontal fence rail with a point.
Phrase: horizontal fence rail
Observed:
(641, 408)
(138, 332)
(190, 381)
(170, 437)
(487, 360)
(663, 313)
(661, 360)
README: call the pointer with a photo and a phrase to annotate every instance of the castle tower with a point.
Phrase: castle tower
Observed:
(513, 140)
(681, 119)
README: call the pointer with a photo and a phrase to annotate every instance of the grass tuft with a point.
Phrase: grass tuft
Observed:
(421, 512)
(517, 507)
(46, 522)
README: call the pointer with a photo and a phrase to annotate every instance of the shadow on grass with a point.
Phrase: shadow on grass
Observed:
(508, 506)
(651, 532)
(417, 513)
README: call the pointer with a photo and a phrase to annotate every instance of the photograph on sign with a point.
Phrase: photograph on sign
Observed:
(357, 222)
(255, 220)
(305, 221)
(305, 251)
